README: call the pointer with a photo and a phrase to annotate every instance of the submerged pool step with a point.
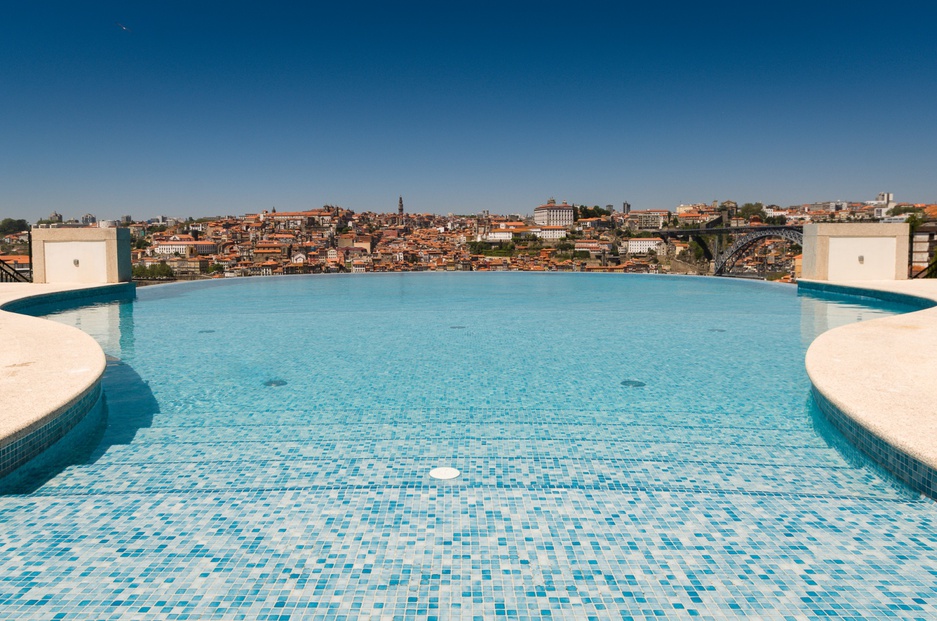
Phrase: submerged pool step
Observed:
(359, 389)
(559, 449)
(228, 472)
(635, 432)
(205, 416)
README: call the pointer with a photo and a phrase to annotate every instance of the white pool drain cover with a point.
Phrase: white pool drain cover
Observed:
(444, 473)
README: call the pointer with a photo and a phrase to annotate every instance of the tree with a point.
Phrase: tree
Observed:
(752, 209)
(159, 270)
(903, 209)
(697, 251)
(9, 225)
(914, 221)
(592, 212)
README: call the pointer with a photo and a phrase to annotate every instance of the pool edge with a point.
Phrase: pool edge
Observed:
(52, 372)
(869, 379)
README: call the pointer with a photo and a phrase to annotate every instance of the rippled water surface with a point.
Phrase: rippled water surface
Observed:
(628, 446)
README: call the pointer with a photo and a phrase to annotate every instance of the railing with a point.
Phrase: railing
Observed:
(928, 272)
(10, 274)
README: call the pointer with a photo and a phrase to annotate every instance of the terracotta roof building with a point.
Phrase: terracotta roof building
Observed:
(552, 214)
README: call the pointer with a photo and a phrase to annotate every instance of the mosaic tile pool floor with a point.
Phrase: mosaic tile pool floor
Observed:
(715, 490)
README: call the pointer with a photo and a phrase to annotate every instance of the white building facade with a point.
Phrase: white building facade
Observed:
(551, 232)
(650, 218)
(500, 235)
(643, 245)
(552, 214)
(185, 247)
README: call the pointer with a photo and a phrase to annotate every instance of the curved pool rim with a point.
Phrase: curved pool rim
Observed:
(54, 372)
(871, 380)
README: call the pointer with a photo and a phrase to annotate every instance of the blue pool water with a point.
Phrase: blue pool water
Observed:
(629, 447)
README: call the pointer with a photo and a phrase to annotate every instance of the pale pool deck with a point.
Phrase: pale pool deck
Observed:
(44, 366)
(882, 374)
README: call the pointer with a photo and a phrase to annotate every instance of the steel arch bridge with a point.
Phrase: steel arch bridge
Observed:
(727, 260)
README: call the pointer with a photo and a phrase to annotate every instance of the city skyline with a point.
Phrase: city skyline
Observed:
(177, 110)
(91, 219)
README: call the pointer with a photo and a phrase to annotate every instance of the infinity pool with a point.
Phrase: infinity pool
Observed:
(628, 447)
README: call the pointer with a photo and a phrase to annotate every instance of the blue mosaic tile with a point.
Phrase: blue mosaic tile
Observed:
(718, 490)
(916, 474)
(831, 289)
(20, 448)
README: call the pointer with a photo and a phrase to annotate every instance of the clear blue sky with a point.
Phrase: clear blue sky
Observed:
(228, 108)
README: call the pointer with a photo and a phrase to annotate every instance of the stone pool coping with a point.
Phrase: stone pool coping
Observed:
(876, 381)
(49, 373)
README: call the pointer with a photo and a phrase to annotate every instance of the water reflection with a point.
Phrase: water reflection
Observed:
(822, 312)
(126, 405)
(110, 323)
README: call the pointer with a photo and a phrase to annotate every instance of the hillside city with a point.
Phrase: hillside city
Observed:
(559, 236)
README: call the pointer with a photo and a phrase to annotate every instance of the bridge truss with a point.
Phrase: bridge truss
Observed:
(726, 260)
